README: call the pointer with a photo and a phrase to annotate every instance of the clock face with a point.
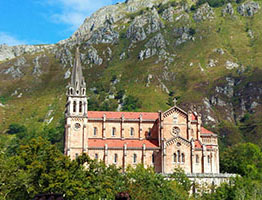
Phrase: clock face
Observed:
(175, 130)
(77, 126)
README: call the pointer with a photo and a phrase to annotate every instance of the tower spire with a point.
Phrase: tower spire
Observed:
(77, 80)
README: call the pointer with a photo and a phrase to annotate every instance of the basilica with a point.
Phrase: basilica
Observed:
(162, 140)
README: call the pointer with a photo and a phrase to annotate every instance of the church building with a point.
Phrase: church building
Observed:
(163, 140)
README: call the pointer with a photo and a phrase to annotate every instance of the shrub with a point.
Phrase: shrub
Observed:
(16, 128)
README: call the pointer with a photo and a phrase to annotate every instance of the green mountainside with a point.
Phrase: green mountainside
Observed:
(139, 55)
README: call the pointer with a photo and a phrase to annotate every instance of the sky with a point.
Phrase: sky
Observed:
(44, 21)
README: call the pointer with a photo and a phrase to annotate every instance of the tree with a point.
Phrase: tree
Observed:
(40, 167)
(243, 159)
(16, 128)
(131, 103)
(146, 184)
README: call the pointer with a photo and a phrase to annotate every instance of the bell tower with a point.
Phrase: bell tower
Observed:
(76, 111)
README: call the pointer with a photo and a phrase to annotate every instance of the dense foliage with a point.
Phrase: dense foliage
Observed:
(39, 167)
(30, 165)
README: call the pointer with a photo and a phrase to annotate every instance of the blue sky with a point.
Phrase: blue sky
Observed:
(44, 21)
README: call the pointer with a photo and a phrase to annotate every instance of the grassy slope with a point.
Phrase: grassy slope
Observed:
(191, 84)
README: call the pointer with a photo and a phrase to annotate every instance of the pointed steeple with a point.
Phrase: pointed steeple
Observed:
(77, 86)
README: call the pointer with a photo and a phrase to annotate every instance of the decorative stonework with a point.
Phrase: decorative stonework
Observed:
(157, 138)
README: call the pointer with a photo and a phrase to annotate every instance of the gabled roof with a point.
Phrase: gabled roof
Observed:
(118, 143)
(171, 110)
(198, 144)
(126, 115)
(205, 131)
(194, 117)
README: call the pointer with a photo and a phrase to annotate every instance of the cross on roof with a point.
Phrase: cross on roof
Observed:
(175, 101)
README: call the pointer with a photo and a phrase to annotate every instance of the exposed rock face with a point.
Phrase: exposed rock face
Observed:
(155, 45)
(168, 14)
(93, 57)
(231, 65)
(122, 56)
(113, 12)
(248, 9)
(154, 22)
(143, 26)
(184, 34)
(250, 33)
(67, 74)
(65, 57)
(156, 42)
(219, 51)
(212, 63)
(104, 35)
(10, 52)
(227, 90)
(203, 13)
(15, 72)
(228, 10)
(37, 68)
(136, 31)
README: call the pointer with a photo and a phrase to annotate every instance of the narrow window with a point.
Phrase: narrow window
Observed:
(95, 131)
(149, 132)
(208, 159)
(74, 106)
(197, 159)
(76, 155)
(71, 90)
(134, 158)
(96, 156)
(80, 106)
(153, 158)
(175, 119)
(115, 158)
(132, 132)
(183, 157)
(174, 157)
(178, 156)
(114, 131)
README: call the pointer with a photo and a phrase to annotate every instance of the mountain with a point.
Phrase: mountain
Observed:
(141, 54)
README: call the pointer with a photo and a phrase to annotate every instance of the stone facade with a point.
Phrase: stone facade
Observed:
(163, 140)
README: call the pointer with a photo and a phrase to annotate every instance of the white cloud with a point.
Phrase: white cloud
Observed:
(10, 40)
(74, 12)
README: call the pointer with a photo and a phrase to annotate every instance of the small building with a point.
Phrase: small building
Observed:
(163, 140)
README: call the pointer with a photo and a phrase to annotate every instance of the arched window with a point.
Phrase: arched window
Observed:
(134, 158)
(71, 91)
(113, 131)
(183, 157)
(115, 158)
(76, 155)
(80, 106)
(84, 91)
(178, 156)
(96, 156)
(132, 132)
(197, 158)
(95, 131)
(174, 157)
(74, 106)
